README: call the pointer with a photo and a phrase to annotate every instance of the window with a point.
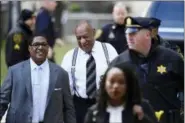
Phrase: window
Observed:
(171, 13)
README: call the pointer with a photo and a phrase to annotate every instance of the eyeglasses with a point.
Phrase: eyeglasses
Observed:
(36, 45)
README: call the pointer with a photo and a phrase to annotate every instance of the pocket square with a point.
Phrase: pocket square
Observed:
(58, 89)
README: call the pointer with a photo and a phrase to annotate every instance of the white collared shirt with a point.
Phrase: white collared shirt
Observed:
(115, 113)
(40, 85)
(80, 68)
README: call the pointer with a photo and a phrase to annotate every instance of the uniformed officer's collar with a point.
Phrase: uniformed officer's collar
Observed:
(158, 40)
(152, 49)
(115, 25)
(137, 53)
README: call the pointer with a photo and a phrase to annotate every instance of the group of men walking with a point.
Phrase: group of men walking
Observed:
(41, 91)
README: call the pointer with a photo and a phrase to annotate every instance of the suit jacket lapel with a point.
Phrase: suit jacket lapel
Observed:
(52, 80)
(106, 117)
(102, 117)
(26, 72)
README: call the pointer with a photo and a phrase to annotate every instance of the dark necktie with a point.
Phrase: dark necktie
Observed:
(91, 77)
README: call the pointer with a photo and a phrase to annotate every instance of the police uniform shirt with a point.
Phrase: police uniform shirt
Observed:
(160, 74)
(45, 25)
(113, 34)
(80, 68)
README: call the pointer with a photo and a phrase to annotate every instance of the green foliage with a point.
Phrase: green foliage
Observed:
(74, 7)
(3, 67)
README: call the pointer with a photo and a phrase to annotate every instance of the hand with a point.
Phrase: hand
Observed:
(137, 110)
(59, 42)
(50, 53)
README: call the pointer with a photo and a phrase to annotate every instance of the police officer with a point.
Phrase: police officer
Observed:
(160, 70)
(158, 39)
(114, 33)
(18, 37)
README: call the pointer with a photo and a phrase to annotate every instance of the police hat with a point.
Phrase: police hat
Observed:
(134, 24)
(155, 23)
(26, 14)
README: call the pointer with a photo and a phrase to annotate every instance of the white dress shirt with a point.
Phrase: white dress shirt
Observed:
(115, 113)
(40, 83)
(80, 68)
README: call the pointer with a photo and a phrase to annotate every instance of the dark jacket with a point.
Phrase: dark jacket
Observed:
(167, 44)
(161, 76)
(95, 116)
(115, 35)
(45, 25)
(17, 44)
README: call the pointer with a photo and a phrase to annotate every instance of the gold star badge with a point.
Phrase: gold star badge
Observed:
(161, 69)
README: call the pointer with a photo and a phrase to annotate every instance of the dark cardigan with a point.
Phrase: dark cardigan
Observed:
(94, 116)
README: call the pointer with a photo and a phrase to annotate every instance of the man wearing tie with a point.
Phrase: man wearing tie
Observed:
(85, 65)
(37, 89)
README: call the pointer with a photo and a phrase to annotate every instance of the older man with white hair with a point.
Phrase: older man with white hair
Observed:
(114, 33)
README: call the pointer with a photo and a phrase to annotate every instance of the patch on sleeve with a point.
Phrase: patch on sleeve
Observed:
(98, 33)
(17, 39)
(180, 53)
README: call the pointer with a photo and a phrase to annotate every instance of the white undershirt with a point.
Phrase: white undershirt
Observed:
(115, 113)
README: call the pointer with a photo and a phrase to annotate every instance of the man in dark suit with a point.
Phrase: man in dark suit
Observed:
(37, 90)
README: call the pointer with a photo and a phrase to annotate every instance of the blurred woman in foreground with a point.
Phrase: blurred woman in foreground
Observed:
(119, 99)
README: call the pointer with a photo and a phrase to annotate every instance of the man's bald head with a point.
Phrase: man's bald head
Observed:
(85, 35)
(120, 5)
(119, 12)
(84, 24)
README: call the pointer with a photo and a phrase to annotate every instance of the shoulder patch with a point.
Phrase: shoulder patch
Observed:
(98, 33)
(17, 39)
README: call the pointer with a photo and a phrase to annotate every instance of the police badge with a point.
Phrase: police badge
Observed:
(111, 35)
